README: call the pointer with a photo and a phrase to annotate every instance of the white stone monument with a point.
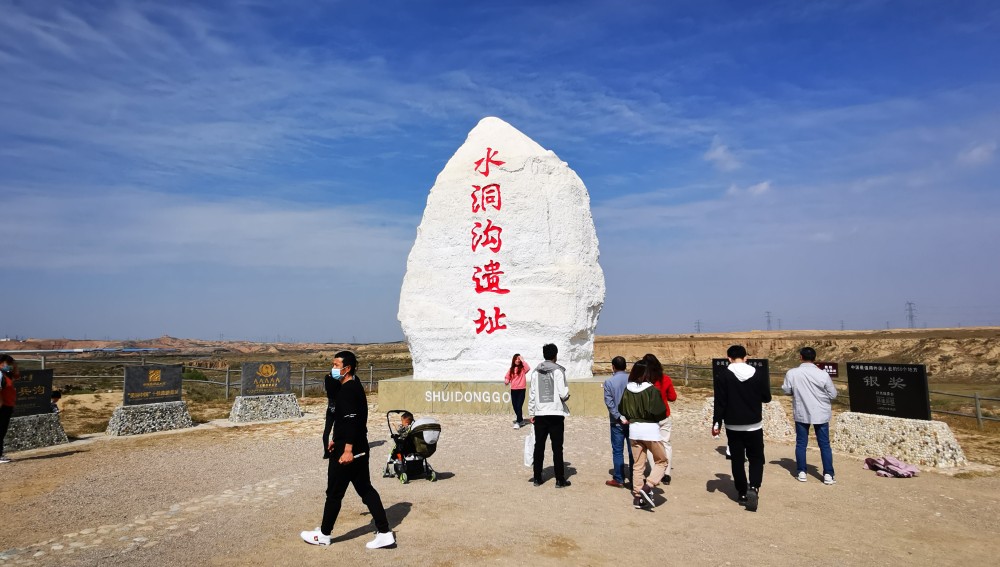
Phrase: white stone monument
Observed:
(505, 260)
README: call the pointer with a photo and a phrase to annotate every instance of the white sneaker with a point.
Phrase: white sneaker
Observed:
(802, 476)
(828, 479)
(517, 425)
(4, 459)
(386, 539)
(315, 537)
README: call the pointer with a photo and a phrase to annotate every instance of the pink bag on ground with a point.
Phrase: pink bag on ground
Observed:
(891, 467)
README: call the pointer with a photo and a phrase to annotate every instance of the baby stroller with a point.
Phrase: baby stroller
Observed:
(413, 446)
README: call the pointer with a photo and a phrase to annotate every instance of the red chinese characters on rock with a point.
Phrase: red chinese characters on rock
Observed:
(486, 195)
(490, 324)
(487, 278)
(486, 236)
(485, 162)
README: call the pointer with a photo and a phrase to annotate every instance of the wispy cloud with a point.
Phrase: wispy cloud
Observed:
(755, 190)
(979, 154)
(720, 156)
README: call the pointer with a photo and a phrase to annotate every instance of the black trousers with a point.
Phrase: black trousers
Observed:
(5, 413)
(749, 446)
(517, 400)
(554, 426)
(356, 473)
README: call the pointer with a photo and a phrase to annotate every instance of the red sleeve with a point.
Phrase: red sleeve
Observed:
(670, 392)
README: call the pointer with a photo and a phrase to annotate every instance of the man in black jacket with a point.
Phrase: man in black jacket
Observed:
(739, 398)
(349, 457)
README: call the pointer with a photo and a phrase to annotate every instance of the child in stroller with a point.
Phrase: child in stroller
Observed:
(415, 441)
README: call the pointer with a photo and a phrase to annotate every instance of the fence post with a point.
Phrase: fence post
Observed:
(979, 411)
(303, 380)
(371, 376)
(142, 360)
(227, 383)
(43, 362)
(685, 374)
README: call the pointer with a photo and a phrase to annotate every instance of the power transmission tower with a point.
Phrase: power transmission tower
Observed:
(841, 324)
(697, 326)
(779, 323)
(911, 312)
(768, 315)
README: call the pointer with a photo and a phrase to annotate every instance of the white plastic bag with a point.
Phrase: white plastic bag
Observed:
(529, 449)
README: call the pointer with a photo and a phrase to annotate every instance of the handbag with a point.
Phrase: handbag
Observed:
(529, 449)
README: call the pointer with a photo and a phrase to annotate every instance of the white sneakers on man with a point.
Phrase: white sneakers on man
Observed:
(386, 539)
(828, 479)
(802, 476)
(315, 537)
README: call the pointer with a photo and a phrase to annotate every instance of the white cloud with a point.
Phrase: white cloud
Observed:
(756, 190)
(978, 154)
(720, 156)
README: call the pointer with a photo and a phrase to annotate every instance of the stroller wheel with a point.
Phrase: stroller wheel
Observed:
(432, 476)
(403, 479)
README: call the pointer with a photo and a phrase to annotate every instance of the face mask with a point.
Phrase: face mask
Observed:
(335, 372)
(6, 368)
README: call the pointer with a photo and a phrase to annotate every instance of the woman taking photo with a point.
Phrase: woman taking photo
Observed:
(515, 378)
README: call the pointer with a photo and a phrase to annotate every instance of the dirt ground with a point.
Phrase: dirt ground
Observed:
(226, 495)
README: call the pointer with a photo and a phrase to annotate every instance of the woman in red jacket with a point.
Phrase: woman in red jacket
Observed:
(515, 378)
(8, 373)
(666, 387)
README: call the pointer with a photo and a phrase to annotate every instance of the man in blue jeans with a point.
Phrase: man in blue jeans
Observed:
(614, 387)
(812, 392)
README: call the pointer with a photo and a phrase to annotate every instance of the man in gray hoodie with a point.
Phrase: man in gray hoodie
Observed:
(547, 395)
(812, 392)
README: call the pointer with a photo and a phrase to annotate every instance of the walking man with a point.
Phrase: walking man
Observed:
(614, 387)
(739, 399)
(812, 391)
(547, 406)
(349, 457)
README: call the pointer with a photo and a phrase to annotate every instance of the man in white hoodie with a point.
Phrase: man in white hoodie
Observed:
(547, 395)
(739, 398)
(812, 392)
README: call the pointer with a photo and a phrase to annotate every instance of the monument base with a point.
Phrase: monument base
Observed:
(491, 398)
(914, 441)
(265, 408)
(777, 426)
(149, 418)
(34, 431)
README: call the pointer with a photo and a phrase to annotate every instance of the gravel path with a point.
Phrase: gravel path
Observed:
(226, 495)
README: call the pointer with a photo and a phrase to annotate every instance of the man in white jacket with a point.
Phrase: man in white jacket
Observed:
(812, 392)
(547, 395)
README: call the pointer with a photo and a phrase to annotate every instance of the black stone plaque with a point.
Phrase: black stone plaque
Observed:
(34, 393)
(895, 390)
(831, 368)
(719, 366)
(266, 378)
(152, 384)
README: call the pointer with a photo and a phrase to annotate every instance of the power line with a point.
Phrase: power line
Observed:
(767, 314)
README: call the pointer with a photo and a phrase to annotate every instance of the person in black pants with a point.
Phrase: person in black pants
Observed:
(547, 404)
(739, 397)
(8, 396)
(349, 458)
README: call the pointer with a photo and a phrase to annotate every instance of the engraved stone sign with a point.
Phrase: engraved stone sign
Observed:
(266, 378)
(34, 393)
(895, 390)
(152, 384)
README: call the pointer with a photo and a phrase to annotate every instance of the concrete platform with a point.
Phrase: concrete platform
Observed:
(489, 398)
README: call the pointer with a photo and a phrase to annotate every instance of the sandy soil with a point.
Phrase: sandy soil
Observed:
(224, 495)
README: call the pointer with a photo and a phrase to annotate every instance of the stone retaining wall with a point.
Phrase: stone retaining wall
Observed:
(265, 408)
(777, 426)
(34, 431)
(148, 418)
(914, 441)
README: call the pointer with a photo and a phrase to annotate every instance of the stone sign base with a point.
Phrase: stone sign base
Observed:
(34, 431)
(264, 408)
(777, 426)
(491, 398)
(914, 441)
(148, 418)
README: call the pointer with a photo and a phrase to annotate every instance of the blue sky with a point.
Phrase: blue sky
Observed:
(253, 169)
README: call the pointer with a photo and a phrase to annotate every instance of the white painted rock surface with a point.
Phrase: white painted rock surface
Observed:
(528, 218)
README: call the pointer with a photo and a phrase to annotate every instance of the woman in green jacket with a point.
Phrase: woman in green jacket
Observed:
(643, 407)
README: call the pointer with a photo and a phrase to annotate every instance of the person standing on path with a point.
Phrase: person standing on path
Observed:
(643, 407)
(665, 386)
(614, 387)
(547, 408)
(349, 460)
(8, 397)
(516, 379)
(812, 392)
(739, 398)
